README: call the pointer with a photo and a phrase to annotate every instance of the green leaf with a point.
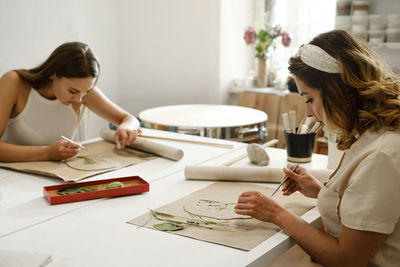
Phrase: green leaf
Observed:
(259, 50)
(262, 35)
(114, 185)
(87, 160)
(168, 226)
(139, 154)
(74, 190)
(69, 190)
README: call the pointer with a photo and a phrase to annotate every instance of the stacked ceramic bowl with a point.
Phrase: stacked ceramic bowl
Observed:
(343, 18)
(353, 16)
(380, 30)
(393, 28)
(360, 19)
(377, 28)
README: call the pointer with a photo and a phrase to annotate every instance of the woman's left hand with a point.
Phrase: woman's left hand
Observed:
(125, 136)
(257, 205)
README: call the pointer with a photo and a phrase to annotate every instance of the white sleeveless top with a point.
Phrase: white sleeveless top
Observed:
(42, 122)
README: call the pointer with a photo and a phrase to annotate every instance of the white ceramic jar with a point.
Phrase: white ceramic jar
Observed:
(393, 35)
(377, 36)
(393, 21)
(360, 8)
(377, 22)
(360, 21)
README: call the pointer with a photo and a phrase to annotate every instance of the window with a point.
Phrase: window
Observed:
(303, 19)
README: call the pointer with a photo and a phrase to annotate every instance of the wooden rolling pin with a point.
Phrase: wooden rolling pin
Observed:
(147, 145)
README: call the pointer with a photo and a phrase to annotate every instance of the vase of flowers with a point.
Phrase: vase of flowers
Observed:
(263, 39)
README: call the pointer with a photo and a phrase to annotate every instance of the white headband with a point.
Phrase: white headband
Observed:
(316, 57)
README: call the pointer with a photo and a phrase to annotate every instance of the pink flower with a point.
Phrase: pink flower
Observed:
(265, 38)
(277, 30)
(286, 39)
(250, 35)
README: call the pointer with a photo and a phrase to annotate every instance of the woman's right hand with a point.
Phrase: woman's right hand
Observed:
(301, 181)
(63, 150)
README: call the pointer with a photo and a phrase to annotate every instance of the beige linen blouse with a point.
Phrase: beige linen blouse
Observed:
(364, 193)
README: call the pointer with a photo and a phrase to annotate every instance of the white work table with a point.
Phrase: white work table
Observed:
(95, 233)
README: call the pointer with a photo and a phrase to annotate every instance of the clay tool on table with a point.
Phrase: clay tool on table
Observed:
(69, 140)
(284, 180)
(240, 157)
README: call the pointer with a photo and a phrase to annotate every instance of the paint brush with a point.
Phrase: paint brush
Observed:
(284, 180)
(69, 140)
(301, 125)
(292, 121)
(286, 123)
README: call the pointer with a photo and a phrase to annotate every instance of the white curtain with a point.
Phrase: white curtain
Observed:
(303, 19)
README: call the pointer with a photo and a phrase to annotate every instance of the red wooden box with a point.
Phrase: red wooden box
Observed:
(132, 185)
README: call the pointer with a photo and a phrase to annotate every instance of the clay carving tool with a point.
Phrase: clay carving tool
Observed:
(284, 180)
(69, 140)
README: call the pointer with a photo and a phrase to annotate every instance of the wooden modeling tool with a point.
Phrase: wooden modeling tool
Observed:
(69, 140)
(284, 180)
(301, 124)
(292, 121)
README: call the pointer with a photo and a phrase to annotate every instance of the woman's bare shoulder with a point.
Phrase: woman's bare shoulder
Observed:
(12, 78)
(12, 83)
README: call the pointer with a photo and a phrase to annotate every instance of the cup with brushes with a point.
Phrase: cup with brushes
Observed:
(299, 140)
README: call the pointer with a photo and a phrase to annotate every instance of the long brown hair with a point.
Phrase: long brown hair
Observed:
(70, 60)
(364, 95)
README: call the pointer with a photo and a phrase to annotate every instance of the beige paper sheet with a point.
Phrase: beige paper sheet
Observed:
(249, 233)
(144, 144)
(244, 174)
(61, 170)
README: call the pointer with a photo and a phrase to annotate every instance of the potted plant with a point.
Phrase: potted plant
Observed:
(262, 39)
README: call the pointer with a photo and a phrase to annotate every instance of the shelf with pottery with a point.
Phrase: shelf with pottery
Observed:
(389, 46)
(236, 89)
(274, 102)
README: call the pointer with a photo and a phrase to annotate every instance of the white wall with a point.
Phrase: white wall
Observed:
(179, 51)
(168, 52)
(31, 30)
(234, 55)
(152, 52)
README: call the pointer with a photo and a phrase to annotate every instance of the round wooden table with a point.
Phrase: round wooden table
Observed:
(228, 122)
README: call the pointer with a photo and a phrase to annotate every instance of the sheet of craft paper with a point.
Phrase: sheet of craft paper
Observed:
(244, 233)
(97, 157)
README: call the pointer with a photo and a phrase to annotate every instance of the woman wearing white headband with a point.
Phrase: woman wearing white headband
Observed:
(350, 89)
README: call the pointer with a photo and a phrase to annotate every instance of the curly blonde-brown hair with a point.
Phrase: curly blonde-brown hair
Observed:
(364, 95)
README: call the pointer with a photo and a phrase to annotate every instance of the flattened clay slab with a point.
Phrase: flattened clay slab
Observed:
(207, 206)
(93, 163)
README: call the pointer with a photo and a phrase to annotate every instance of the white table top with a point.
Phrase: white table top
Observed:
(196, 116)
(95, 233)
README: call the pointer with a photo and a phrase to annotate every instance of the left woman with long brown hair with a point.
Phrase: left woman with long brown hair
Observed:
(39, 105)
